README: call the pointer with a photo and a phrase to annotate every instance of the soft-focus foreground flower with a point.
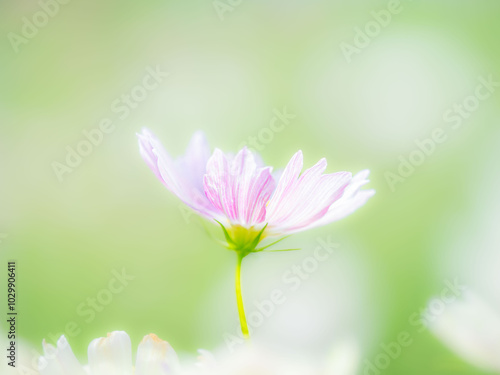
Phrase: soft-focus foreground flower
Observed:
(471, 328)
(24, 362)
(470, 323)
(247, 199)
(112, 355)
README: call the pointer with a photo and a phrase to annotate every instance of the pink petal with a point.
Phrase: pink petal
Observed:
(147, 144)
(287, 178)
(183, 177)
(352, 199)
(237, 187)
(194, 162)
(300, 201)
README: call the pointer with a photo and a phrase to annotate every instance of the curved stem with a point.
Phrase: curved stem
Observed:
(239, 299)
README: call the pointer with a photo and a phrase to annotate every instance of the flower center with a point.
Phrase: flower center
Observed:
(242, 239)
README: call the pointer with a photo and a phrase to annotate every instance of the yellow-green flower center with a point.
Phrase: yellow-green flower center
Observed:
(242, 239)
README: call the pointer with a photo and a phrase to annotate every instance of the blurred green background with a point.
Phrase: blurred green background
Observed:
(227, 75)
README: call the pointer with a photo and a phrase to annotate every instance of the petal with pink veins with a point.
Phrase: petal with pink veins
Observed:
(184, 176)
(352, 199)
(237, 187)
(300, 200)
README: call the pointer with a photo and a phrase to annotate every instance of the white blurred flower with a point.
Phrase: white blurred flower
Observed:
(257, 360)
(471, 328)
(112, 355)
(25, 357)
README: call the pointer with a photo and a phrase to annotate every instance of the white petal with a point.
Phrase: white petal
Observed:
(48, 364)
(67, 359)
(206, 360)
(111, 355)
(156, 357)
(60, 360)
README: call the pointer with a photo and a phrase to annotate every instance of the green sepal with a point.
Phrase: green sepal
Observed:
(272, 251)
(211, 236)
(271, 244)
(256, 240)
(243, 248)
(226, 235)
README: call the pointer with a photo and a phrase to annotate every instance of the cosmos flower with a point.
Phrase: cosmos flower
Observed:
(248, 200)
(112, 355)
(244, 195)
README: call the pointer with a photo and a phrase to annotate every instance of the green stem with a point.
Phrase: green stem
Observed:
(239, 299)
